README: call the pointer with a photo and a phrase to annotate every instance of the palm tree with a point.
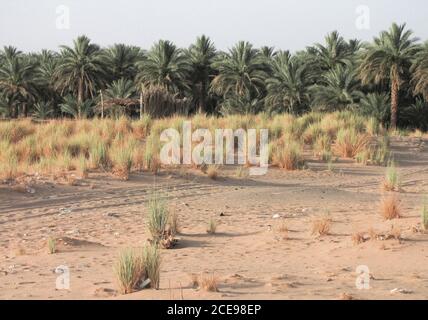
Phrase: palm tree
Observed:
(336, 51)
(42, 110)
(287, 89)
(121, 61)
(201, 55)
(119, 95)
(420, 72)
(16, 81)
(337, 89)
(375, 105)
(75, 108)
(388, 59)
(81, 69)
(164, 65)
(242, 72)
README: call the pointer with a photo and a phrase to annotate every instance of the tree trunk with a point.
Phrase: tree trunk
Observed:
(202, 106)
(394, 104)
(141, 105)
(79, 98)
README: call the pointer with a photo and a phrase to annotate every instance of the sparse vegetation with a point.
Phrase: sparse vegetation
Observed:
(424, 215)
(52, 245)
(392, 180)
(158, 218)
(205, 281)
(321, 226)
(390, 207)
(135, 266)
(152, 263)
(212, 226)
(129, 270)
(213, 172)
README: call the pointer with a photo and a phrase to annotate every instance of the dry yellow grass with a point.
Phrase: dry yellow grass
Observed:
(390, 207)
(321, 226)
(209, 282)
(213, 172)
(121, 146)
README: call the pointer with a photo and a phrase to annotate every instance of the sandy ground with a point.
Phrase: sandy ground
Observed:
(249, 255)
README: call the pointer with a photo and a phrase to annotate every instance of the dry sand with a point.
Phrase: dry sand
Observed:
(249, 255)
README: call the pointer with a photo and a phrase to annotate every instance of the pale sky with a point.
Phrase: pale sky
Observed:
(31, 25)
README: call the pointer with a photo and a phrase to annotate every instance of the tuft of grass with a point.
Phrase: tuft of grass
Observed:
(82, 167)
(158, 217)
(349, 142)
(174, 224)
(98, 155)
(52, 245)
(8, 166)
(358, 237)
(390, 207)
(213, 172)
(288, 155)
(321, 226)
(129, 270)
(391, 181)
(121, 157)
(241, 172)
(424, 215)
(283, 229)
(212, 226)
(209, 282)
(152, 263)
(151, 155)
(395, 233)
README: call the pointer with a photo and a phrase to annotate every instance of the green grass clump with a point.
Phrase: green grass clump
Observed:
(158, 217)
(392, 179)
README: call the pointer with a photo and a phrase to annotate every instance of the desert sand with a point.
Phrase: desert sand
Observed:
(249, 254)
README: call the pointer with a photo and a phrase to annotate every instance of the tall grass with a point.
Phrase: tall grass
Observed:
(129, 270)
(158, 217)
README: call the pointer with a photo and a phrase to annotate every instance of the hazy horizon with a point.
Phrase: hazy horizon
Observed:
(289, 25)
